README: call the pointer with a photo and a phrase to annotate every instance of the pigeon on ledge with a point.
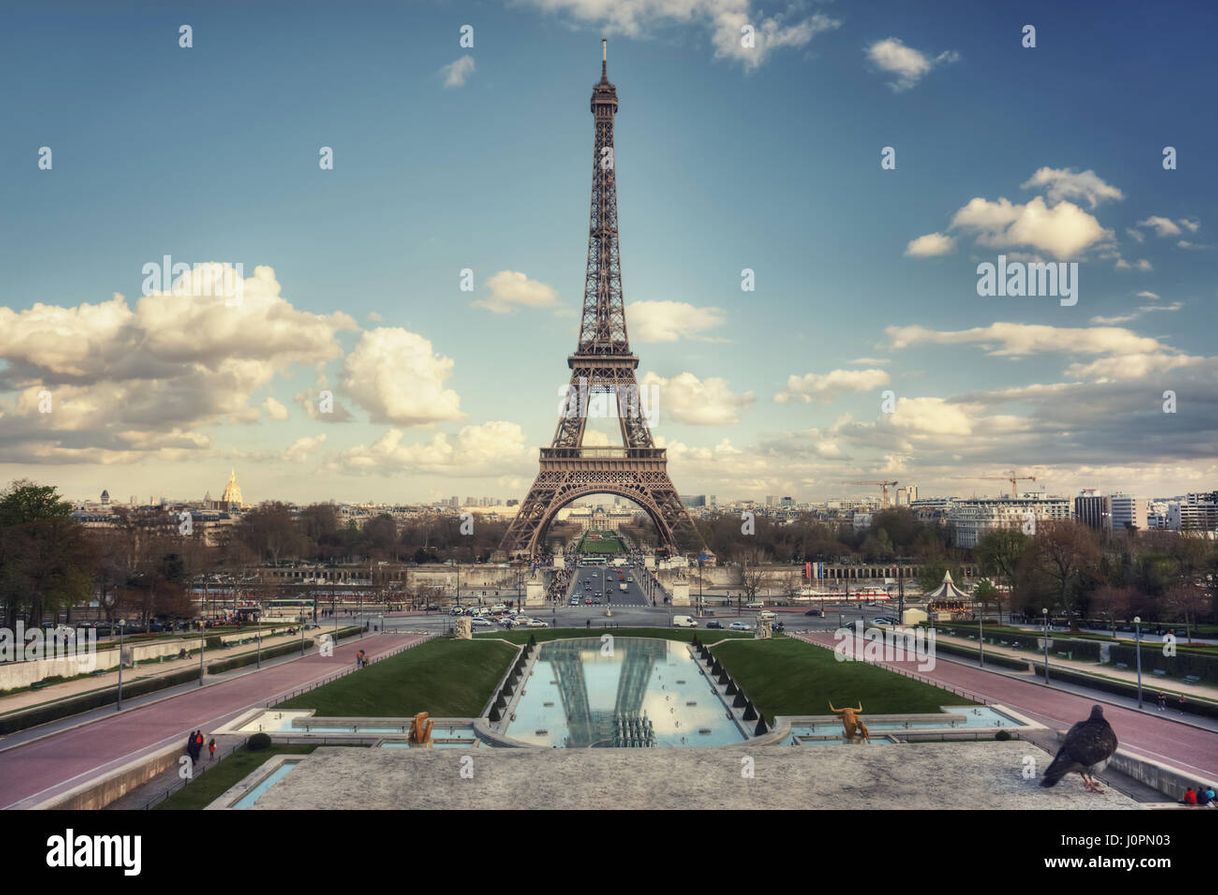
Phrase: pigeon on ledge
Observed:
(1087, 748)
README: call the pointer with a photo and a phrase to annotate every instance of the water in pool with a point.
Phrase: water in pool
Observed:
(247, 801)
(642, 692)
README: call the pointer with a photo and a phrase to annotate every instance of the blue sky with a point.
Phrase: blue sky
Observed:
(728, 158)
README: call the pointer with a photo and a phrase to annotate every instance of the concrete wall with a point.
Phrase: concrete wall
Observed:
(98, 794)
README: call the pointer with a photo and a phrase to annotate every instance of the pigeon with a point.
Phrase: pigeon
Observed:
(1087, 748)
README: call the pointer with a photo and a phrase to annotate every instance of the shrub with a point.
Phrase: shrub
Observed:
(259, 742)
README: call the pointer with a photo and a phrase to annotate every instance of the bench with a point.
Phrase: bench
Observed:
(1192, 679)
(38, 685)
(1159, 672)
(1122, 666)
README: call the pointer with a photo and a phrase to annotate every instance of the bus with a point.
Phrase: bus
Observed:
(294, 609)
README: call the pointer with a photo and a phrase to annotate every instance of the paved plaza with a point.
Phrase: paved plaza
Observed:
(874, 777)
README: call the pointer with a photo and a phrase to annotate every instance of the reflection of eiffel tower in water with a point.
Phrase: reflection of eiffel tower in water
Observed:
(603, 365)
(625, 724)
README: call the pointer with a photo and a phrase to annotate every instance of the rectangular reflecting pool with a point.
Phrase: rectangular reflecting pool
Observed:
(974, 717)
(625, 692)
(247, 801)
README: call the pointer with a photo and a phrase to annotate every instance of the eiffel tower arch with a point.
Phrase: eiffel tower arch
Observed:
(603, 364)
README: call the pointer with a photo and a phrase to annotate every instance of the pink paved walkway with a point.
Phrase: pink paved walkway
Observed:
(1181, 745)
(63, 760)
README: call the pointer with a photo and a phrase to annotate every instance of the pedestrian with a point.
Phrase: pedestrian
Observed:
(1162, 701)
(211, 749)
(1180, 703)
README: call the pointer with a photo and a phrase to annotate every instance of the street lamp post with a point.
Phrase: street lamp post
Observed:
(258, 647)
(1137, 626)
(981, 636)
(122, 623)
(202, 650)
(1045, 615)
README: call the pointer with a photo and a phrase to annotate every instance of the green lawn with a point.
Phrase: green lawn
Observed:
(788, 677)
(448, 678)
(228, 772)
(608, 543)
(543, 634)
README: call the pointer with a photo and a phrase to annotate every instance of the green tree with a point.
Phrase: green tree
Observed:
(45, 561)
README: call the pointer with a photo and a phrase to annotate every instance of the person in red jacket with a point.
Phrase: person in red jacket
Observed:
(211, 749)
(1190, 797)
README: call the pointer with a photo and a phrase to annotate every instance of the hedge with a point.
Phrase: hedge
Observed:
(63, 708)
(991, 658)
(1082, 650)
(272, 652)
(1181, 665)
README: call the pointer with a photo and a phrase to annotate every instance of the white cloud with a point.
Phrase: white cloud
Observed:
(274, 410)
(1141, 265)
(1148, 295)
(930, 416)
(700, 402)
(456, 73)
(1063, 230)
(724, 20)
(1190, 225)
(130, 381)
(303, 448)
(668, 321)
(1022, 339)
(396, 376)
(908, 65)
(1061, 184)
(491, 448)
(830, 386)
(510, 289)
(930, 245)
(1162, 226)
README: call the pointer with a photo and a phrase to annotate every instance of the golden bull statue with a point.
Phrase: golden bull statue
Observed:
(853, 728)
(420, 729)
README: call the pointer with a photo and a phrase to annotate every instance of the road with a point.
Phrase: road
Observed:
(55, 764)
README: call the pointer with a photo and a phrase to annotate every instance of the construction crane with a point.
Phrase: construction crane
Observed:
(884, 489)
(1011, 476)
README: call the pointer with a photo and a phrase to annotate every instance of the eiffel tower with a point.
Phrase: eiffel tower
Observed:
(602, 365)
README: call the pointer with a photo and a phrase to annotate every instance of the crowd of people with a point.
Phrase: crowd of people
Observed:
(1201, 797)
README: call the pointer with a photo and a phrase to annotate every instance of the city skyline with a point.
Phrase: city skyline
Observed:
(866, 296)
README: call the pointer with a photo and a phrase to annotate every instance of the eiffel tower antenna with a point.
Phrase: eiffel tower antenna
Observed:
(603, 364)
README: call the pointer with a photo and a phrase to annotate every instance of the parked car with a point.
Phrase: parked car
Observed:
(538, 623)
(683, 621)
(714, 624)
(740, 626)
(480, 622)
(818, 613)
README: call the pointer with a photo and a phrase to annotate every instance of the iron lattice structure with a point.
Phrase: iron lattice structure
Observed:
(602, 365)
